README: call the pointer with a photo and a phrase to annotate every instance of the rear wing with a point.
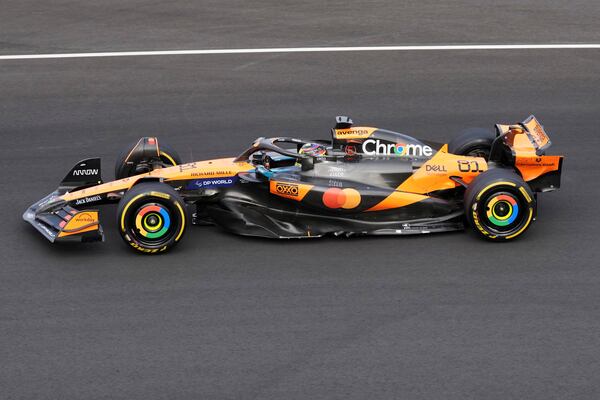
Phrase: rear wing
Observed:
(523, 146)
(527, 136)
(536, 134)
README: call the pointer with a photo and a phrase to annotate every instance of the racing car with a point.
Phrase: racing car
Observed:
(360, 181)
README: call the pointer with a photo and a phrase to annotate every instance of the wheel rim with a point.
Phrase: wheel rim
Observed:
(152, 221)
(482, 152)
(502, 212)
(153, 224)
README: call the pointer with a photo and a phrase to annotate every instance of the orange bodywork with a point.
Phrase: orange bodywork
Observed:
(433, 175)
(525, 144)
(443, 171)
(81, 222)
(536, 131)
(397, 200)
(220, 168)
(532, 167)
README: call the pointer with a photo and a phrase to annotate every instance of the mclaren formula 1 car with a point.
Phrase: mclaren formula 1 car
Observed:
(361, 181)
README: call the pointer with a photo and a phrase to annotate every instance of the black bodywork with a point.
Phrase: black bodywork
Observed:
(273, 190)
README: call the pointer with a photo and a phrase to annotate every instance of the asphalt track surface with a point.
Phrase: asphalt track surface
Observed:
(445, 316)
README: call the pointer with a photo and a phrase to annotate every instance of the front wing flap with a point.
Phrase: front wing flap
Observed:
(57, 221)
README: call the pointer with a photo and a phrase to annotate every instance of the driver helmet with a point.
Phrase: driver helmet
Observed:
(313, 150)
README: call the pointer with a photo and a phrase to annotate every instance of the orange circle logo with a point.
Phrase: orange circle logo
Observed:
(341, 198)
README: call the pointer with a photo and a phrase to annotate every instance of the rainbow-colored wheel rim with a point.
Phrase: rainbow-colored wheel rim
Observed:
(153, 221)
(502, 209)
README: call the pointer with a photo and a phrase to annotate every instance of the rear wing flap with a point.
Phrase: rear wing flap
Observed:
(527, 136)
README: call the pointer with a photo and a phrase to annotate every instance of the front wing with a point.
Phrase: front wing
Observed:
(57, 221)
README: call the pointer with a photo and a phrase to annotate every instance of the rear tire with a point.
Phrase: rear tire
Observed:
(151, 217)
(499, 205)
(473, 142)
(168, 158)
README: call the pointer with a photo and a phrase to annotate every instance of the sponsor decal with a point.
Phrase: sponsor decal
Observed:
(522, 190)
(86, 172)
(539, 136)
(287, 189)
(354, 132)
(376, 147)
(336, 172)
(160, 194)
(536, 132)
(81, 222)
(86, 200)
(533, 167)
(435, 168)
(537, 163)
(207, 174)
(350, 149)
(341, 198)
(292, 191)
(477, 223)
(211, 183)
(145, 250)
(187, 167)
(84, 217)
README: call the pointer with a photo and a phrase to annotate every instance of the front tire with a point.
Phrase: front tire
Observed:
(151, 217)
(499, 205)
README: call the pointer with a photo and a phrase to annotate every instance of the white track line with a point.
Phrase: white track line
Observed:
(303, 50)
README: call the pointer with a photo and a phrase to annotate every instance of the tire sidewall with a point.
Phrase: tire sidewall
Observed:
(495, 182)
(151, 193)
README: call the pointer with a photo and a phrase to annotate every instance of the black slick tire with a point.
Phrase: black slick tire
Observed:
(499, 205)
(151, 217)
(473, 142)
